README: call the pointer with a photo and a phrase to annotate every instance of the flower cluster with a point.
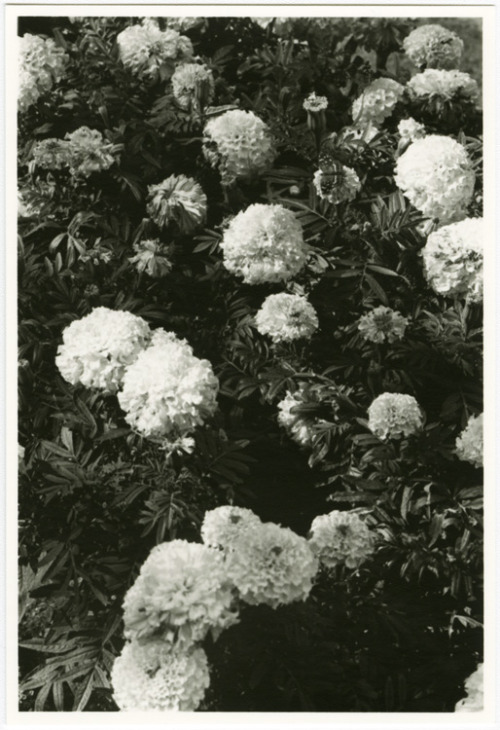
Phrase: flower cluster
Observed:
(264, 243)
(382, 324)
(453, 259)
(315, 103)
(409, 130)
(168, 391)
(152, 257)
(180, 595)
(469, 444)
(84, 151)
(337, 187)
(433, 46)
(377, 101)
(341, 538)
(222, 527)
(178, 199)
(437, 176)
(394, 415)
(435, 82)
(239, 144)
(193, 86)
(148, 676)
(97, 349)
(145, 48)
(286, 317)
(474, 686)
(41, 64)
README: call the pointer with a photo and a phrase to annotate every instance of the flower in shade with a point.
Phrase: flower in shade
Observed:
(223, 526)
(181, 594)
(88, 152)
(42, 63)
(300, 426)
(337, 187)
(51, 154)
(168, 392)
(239, 144)
(433, 46)
(97, 349)
(150, 676)
(193, 86)
(286, 317)
(469, 445)
(437, 176)
(409, 130)
(377, 102)
(153, 257)
(145, 48)
(178, 199)
(474, 686)
(453, 259)
(264, 244)
(341, 538)
(315, 103)
(382, 324)
(446, 85)
(394, 415)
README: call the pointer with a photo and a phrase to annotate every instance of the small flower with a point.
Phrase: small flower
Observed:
(153, 257)
(394, 415)
(341, 538)
(315, 103)
(178, 199)
(469, 444)
(286, 317)
(193, 86)
(409, 130)
(382, 324)
(337, 187)
(377, 102)
(433, 46)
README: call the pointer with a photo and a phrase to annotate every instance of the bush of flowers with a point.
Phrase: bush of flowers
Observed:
(250, 365)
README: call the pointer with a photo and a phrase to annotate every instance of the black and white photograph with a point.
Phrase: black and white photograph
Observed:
(249, 362)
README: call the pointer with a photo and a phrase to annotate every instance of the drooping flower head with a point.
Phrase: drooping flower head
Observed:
(410, 130)
(382, 324)
(150, 676)
(337, 187)
(394, 415)
(239, 144)
(453, 259)
(299, 426)
(193, 86)
(437, 176)
(180, 199)
(474, 687)
(42, 63)
(168, 391)
(222, 527)
(377, 102)
(145, 48)
(97, 349)
(446, 85)
(340, 538)
(469, 444)
(286, 317)
(153, 257)
(433, 46)
(264, 244)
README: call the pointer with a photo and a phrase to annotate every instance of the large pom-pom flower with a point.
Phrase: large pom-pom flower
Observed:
(453, 259)
(474, 686)
(286, 317)
(153, 257)
(168, 391)
(469, 444)
(193, 86)
(41, 64)
(180, 199)
(97, 349)
(394, 415)
(443, 84)
(382, 324)
(223, 526)
(181, 594)
(341, 538)
(271, 565)
(144, 49)
(149, 676)
(264, 244)
(436, 175)
(377, 102)
(433, 46)
(337, 187)
(239, 144)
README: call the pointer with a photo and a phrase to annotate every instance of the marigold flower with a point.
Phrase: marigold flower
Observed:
(341, 538)
(286, 317)
(469, 445)
(315, 103)
(41, 64)
(144, 48)
(394, 415)
(178, 199)
(409, 130)
(382, 324)
(433, 46)
(223, 526)
(337, 187)
(474, 686)
(152, 256)
(377, 102)
(435, 82)
(193, 86)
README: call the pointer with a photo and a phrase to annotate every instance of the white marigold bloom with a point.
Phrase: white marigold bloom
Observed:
(437, 176)
(474, 686)
(394, 415)
(41, 64)
(453, 259)
(286, 317)
(182, 592)
(88, 152)
(409, 130)
(315, 103)
(271, 565)
(149, 676)
(51, 154)
(180, 199)
(153, 257)
(469, 445)
(193, 85)
(338, 187)
(299, 427)
(264, 244)
(382, 324)
(434, 82)
(340, 538)
(97, 349)
(223, 526)
(144, 48)
(433, 46)
(377, 102)
(239, 144)
(167, 392)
